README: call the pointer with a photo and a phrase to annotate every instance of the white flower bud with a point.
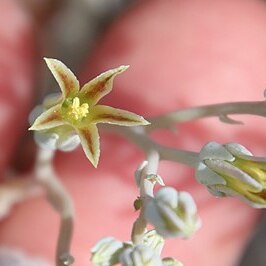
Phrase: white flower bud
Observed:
(231, 170)
(54, 141)
(51, 99)
(61, 138)
(140, 255)
(173, 213)
(36, 111)
(154, 241)
(68, 143)
(106, 252)
(46, 140)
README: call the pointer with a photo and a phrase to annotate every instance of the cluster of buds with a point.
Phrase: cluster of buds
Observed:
(70, 118)
(109, 251)
(172, 213)
(232, 170)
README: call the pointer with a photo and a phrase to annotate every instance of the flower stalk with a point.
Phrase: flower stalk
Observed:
(221, 110)
(72, 118)
(146, 194)
(60, 200)
(138, 136)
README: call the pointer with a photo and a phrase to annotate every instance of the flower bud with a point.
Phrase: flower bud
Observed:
(106, 252)
(140, 255)
(173, 213)
(154, 241)
(61, 138)
(232, 170)
(171, 262)
(58, 139)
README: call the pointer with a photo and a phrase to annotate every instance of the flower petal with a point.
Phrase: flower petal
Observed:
(65, 78)
(213, 150)
(49, 119)
(107, 114)
(89, 138)
(95, 89)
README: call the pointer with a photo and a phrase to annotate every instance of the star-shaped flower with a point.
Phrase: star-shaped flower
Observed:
(78, 108)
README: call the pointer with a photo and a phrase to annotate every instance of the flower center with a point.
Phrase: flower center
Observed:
(78, 111)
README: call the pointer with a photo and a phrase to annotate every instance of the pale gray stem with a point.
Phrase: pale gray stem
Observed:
(214, 110)
(61, 202)
(15, 190)
(138, 136)
(146, 193)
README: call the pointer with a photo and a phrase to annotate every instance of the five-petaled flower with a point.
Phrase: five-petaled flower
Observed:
(77, 108)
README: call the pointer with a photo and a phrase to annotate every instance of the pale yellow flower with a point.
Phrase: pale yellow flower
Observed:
(78, 108)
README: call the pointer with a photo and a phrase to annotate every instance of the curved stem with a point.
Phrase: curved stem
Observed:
(61, 202)
(14, 190)
(218, 110)
(146, 193)
(138, 136)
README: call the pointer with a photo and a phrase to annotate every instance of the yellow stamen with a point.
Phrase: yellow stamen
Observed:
(78, 111)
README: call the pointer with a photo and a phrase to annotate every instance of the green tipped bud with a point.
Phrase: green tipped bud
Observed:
(171, 262)
(140, 255)
(106, 252)
(154, 241)
(232, 170)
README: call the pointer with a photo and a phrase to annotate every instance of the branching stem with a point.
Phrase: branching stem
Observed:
(213, 110)
(138, 136)
(61, 202)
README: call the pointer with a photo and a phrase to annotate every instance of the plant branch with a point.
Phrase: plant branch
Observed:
(61, 202)
(138, 136)
(15, 190)
(213, 110)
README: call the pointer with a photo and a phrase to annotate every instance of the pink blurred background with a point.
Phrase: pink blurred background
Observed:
(182, 53)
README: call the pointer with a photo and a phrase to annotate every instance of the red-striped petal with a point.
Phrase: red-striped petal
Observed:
(67, 81)
(49, 119)
(107, 114)
(89, 138)
(97, 88)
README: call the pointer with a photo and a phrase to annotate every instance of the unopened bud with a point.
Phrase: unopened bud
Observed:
(153, 241)
(61, 138)
(171, 262)
(232, 170)
(106, 252)
(140, 255)
(173, 213)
